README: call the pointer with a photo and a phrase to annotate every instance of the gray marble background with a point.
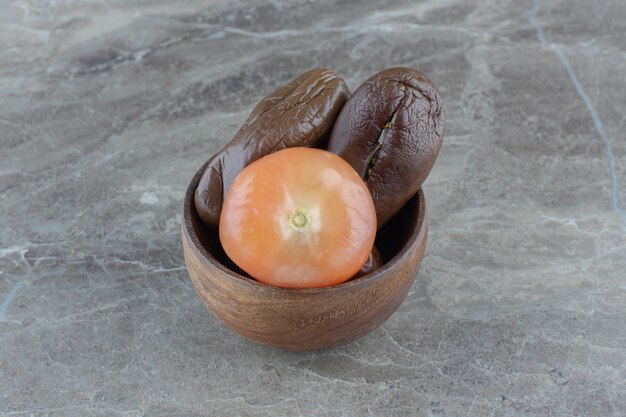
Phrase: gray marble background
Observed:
(108, 107)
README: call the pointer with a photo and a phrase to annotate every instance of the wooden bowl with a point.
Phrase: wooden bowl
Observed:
(305, 319)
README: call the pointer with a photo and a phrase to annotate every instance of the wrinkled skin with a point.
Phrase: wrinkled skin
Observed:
(301, 113)
(374, 262)
(412, 106)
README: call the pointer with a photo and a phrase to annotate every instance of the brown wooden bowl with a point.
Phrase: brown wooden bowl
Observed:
(305, 319)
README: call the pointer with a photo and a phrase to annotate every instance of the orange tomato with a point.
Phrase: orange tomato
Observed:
(299, 218)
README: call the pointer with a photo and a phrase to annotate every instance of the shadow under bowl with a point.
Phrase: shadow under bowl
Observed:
(305, 319)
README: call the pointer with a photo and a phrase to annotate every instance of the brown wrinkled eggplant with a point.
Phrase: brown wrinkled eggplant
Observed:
(374, 262)
(301, 113)
(390, 131)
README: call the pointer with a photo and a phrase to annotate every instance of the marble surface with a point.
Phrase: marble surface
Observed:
(108, 107)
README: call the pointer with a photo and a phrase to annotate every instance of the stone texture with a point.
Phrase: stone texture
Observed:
(107, 109)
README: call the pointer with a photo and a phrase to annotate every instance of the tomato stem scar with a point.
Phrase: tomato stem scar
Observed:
(371, 157)
(299, 219)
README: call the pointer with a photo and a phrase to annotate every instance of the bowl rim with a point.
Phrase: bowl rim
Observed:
(365, 280)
